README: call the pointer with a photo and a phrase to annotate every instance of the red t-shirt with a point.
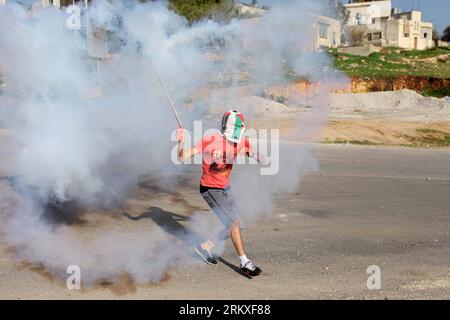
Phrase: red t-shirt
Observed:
(218, 155)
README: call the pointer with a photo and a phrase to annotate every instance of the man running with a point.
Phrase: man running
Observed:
(218, 152)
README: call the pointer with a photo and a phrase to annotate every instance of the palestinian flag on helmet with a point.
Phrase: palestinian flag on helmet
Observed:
(233, 126)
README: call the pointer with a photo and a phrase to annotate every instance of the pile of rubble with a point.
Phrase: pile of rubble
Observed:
(405, 105)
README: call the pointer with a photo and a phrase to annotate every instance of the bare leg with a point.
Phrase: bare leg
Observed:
(235, 233)
(222, 235)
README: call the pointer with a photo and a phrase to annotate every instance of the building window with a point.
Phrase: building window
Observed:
(374, 36)
(406, 30)
(360, 19)
(425, 35)
(323, 30)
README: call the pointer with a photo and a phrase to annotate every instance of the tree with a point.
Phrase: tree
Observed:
(446, 34)
(356, 34)
(194, 10)
(435, 34)
(336, 9)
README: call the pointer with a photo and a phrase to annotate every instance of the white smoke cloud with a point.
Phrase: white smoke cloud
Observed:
(89, 137)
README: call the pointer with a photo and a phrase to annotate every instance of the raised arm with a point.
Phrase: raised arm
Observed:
(182, 153)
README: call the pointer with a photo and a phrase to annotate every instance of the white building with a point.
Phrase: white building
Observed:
(56, 3)
(45, 3)
(408, 31)
(368, 13)
(325, 31)
(250, 11)
(377, 23)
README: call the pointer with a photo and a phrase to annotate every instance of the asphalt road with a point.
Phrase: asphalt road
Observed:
(382, 206)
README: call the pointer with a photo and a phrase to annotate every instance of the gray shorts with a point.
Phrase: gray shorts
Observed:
(222, 203)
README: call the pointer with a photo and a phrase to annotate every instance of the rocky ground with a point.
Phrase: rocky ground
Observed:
(403, 105)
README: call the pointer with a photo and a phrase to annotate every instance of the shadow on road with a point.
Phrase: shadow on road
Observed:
(170, 223)
(232, 266)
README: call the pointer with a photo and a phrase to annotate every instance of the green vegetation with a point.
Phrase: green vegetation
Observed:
(439, 93)
(425, 142)
(195, 10)
(392, 62)
(446, 34)
(435, 142)
(428, 130)
(432, 138)
(425, 137)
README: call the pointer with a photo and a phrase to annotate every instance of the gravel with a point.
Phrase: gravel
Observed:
(404, 105)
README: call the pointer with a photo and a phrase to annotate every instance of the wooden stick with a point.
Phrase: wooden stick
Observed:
(180, 124)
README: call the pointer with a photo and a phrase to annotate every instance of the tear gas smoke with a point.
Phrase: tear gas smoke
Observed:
(78, 144)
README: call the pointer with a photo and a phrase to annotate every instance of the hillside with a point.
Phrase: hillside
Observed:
(392, 62)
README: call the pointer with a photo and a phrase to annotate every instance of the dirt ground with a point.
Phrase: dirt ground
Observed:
(361, 131)
(388, 118)
(387, 132)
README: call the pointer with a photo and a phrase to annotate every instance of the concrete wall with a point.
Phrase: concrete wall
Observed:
(56, 3)
(250, 11)
(426, 35)
(364, 12)
(392, 32)
(332, 37)
(440, 43)
(364, 50)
